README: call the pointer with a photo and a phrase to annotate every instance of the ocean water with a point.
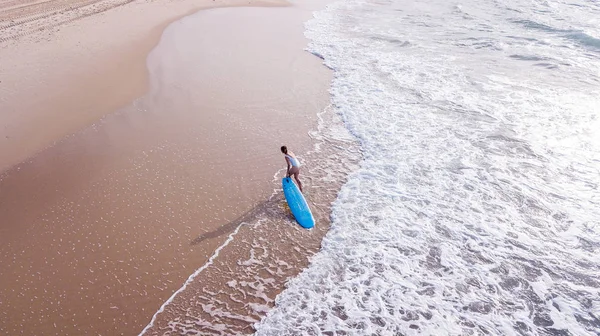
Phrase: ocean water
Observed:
(476, 207)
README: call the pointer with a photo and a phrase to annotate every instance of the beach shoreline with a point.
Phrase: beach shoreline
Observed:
(118, 208)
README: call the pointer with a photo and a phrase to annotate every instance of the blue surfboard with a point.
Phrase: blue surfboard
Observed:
(297, 203)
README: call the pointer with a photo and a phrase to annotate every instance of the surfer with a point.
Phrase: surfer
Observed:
(293, 165)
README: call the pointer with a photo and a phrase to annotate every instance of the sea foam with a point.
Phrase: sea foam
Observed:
(476, 206)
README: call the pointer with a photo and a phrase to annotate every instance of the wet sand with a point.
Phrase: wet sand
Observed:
(99, 230)
(264, 246)
(66, 63)
(264, 249)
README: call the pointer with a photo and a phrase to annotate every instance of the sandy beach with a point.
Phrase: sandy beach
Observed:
(135, 158)
(65, 64)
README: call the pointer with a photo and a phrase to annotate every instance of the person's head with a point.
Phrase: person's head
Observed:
(284, 149)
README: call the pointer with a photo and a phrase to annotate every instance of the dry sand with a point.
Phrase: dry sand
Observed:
(103, 226)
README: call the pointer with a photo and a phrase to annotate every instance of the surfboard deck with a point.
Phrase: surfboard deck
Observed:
(297, 203)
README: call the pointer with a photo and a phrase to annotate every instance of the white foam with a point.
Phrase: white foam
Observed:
(476, 208)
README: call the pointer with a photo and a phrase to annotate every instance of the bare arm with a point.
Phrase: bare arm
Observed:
(289, 165)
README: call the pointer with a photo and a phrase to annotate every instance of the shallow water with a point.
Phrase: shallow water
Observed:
(476, 207)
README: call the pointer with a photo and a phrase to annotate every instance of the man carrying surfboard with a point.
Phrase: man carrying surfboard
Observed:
(293, 165)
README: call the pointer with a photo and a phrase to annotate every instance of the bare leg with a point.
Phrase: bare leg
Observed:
(294, 171)
(298, 180)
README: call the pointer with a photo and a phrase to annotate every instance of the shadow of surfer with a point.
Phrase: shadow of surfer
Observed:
(266, 209)
(231, 226)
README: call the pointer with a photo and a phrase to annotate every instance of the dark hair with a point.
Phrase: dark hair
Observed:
(284, 149)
